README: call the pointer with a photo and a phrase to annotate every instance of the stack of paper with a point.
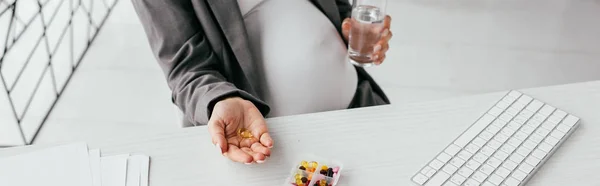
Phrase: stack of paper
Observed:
(74, 165)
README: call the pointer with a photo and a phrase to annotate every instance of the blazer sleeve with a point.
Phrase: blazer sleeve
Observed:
(191, 67)
(345, 8)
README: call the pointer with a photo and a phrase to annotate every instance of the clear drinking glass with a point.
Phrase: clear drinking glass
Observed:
(367, 23)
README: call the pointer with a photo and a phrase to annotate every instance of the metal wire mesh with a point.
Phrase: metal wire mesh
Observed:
(42, 43)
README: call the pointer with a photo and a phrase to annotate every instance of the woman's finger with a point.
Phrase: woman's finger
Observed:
(257, 147)
(238, 155)
(256, 156)
(346, 28)
(380, 59)
(216, 129)
(386, 35)
(387, 22)
(266, 140)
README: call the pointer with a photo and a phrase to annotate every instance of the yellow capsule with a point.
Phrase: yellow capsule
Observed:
(304, 164)
(324, 167)
(323, 183)
(313, 164)
(298, 176)
(244, 133)
(298, 181)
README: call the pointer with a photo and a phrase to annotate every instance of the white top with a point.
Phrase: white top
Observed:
(301, 55)
(384, 145)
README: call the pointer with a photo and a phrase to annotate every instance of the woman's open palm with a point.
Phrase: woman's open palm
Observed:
(231, 115)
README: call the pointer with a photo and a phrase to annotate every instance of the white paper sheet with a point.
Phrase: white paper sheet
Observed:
(144, 169)
(114, 170)
(66, 165)
(133, 171)
(95, 166)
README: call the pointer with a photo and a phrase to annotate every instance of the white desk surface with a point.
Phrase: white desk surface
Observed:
(379, 145)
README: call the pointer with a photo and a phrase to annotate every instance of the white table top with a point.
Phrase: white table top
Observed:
(379, 145)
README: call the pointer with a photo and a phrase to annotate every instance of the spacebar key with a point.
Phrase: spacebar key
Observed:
(474, 130)
(438, 179)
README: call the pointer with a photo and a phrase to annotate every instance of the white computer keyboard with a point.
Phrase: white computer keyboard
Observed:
(506, 146)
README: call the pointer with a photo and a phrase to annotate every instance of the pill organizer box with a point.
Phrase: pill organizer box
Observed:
(316, 176)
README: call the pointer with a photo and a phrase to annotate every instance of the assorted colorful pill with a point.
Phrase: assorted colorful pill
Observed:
(306, 170)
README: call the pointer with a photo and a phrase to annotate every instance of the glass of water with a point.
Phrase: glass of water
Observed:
(367, 24)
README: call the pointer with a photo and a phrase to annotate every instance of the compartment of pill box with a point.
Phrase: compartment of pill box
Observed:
(315, 176)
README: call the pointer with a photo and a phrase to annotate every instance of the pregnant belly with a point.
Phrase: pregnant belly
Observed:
(302, 58)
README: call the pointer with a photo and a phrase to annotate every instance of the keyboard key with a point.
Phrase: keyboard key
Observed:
(500, 155)
(519, 105)
(479, 176)
(452, 149)
(493, 162)
(539, 117)
(488, 183)
(534, 106)
(472, 164)
(507, 148)
(495, 111)
(465, 171)
(520, 120)
(420, 179)
(510, 165)
(511, 182)
(535, 138)
(457, 162)
(518, 175)
(517, 158)
(505, 117)
(471, 182)
(547, 110)
(487, 151)
(501, 138)
(458, 179)
(554, 119)
(479, 142)
(494, 144)
(531, 160)
(557, 134)
(436, 164)
(503, 104)
(559, 113)
(472, 148)
(570, 120)
(551, 141)
(525, 99)
(449, 183)
(438, 179)
(512, 111)
(548, 125)
(443, 157)
(513, 126)
(520, 136)
(480, 157)
(507, 131)
(465, 155)
(542, 132)
(538, 154)
(526, 168)
(474, 130)
(514, 142)
(563, 128)
(428, 171)
(485, 135)
(486, 169)
(523, 151)
(450, 169)
(495, 179)
(527, 129)
(526, 114)
(502, 172)
(545, 147)
(514, 94)
(529, 144)
(492, 129)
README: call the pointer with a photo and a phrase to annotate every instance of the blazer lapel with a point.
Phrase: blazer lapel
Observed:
(330, 9)
(228, 15)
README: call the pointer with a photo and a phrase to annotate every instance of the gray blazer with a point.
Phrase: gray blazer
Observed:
(202, 48)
